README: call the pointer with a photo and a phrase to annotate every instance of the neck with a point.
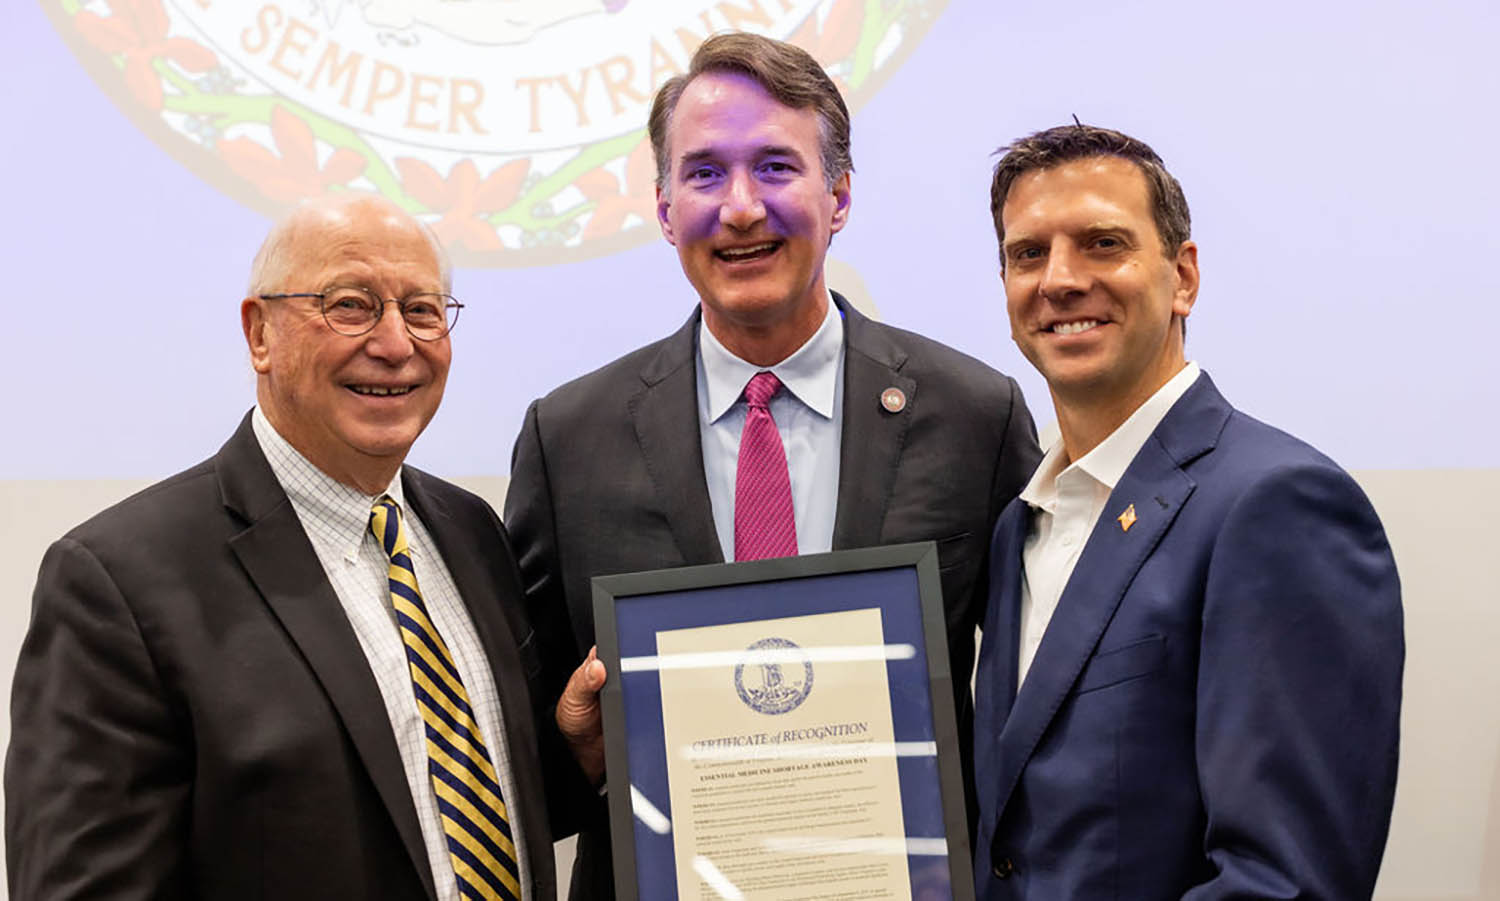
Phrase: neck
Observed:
(1085, 418)
(766, 344)
(368, 480)
(1084, 430)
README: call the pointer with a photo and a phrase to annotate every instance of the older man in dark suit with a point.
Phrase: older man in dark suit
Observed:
(777, 420)
(299, 669)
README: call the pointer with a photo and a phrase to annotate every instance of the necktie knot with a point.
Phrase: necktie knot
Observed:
(761, 388)
(385, 522)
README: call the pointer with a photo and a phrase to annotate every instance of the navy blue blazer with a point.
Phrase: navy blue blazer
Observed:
(1213, 710)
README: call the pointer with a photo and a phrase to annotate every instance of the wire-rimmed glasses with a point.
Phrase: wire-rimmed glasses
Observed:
(354, 311)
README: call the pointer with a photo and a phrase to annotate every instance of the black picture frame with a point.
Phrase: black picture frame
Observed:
(902, 580)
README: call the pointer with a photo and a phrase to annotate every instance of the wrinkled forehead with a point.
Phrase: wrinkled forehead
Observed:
(367, 243)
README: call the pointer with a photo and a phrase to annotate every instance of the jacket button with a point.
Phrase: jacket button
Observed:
(1002, 868)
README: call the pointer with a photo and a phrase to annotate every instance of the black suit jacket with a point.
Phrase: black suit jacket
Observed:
(607, 477)
(192, 715)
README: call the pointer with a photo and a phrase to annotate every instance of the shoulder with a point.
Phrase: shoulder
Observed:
(454, 499)
(160, 515)
(619, 379)
(174, 530)
(1264, 476)
(1217, 444)
(965, 384)
(1259, 450)
(917, 354)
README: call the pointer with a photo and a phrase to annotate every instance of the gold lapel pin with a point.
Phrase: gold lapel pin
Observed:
(1127, 519)
(893, 399)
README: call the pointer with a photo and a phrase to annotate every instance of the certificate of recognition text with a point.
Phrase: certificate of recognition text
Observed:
(781, 762)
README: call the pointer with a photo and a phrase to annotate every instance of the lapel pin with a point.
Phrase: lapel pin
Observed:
(1127, 519)
(893, 399)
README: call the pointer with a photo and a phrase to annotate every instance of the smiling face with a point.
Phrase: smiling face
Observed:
(1091, 294)
(351, 406)
(748, 209)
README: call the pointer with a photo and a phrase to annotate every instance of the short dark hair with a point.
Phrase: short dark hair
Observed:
(787, 72)
(1068, 143)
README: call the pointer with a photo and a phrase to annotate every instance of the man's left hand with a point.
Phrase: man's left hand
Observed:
(578, 716)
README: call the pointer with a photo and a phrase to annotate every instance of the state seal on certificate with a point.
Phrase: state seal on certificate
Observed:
(777, 690)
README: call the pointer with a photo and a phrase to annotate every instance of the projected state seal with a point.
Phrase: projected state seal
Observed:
(777, 679)
(516, 128)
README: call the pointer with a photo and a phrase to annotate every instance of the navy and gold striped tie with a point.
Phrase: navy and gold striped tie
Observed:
(463, 778)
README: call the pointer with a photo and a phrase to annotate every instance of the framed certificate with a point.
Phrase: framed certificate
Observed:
(783, 729)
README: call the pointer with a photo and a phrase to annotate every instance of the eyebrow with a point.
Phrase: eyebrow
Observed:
(1013, 240)
(693, 157)
(1093, 228)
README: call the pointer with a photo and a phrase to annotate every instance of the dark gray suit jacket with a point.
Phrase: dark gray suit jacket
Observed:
(192, 715)
(607, 477)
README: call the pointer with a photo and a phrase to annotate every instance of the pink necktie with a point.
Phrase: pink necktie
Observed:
(764, 525)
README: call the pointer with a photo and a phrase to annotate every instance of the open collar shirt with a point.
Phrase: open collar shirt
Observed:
(1066, 501)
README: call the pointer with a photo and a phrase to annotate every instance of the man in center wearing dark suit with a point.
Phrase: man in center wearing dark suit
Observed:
(884, 436)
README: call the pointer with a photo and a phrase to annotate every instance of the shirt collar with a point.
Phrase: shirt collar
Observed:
(809, 374)
(340, 514)
(1106, 463)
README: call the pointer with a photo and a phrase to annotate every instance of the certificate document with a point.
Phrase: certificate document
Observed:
(780, 758)
(783, 730)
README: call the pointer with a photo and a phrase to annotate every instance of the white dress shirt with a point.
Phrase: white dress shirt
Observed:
(809, 415)
(336, 519)
(1066, 502)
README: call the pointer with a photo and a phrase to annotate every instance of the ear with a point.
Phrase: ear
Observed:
(840, 204)
(253, 321)
(663, 203)
(1187, 279)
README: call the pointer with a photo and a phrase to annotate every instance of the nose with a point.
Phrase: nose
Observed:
(742, 207)
(389, 340)
(1064, 275)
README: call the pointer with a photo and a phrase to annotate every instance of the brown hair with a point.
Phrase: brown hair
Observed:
(1068, 143)
(788, 73)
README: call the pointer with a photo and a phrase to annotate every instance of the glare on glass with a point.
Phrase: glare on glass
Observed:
(354, 311)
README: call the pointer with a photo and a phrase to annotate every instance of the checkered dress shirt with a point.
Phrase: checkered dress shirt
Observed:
(336, 519)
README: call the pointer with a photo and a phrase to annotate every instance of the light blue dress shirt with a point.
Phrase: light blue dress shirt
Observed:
(809, 414)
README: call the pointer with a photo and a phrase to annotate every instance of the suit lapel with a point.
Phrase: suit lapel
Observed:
(872, 437)
(869, 453)
(281, 562)
(1005, 594)
(667, 402)
(1157, 487)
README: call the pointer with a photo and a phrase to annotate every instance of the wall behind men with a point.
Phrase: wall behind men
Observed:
(1338, 159)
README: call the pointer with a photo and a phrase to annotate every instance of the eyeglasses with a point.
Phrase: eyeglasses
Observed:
(354, 311)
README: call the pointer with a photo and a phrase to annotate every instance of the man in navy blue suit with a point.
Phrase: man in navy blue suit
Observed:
(1190, 680)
